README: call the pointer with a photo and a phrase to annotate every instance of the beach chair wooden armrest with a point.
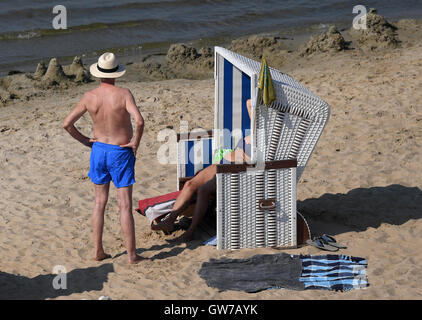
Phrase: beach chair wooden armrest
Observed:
(204, 134)
(236, 168)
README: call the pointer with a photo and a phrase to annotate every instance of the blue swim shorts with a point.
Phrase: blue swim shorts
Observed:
(112, 162)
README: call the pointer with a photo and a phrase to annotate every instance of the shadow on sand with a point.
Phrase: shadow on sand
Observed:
(41, 287)
(333, 214)
(361, 208)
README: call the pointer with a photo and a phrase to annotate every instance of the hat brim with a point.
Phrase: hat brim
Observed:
(98, 74)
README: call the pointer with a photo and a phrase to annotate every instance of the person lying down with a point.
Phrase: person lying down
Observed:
(203, 185)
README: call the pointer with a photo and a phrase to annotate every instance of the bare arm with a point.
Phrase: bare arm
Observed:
(249, 106)
(139, 122)
(69, 121)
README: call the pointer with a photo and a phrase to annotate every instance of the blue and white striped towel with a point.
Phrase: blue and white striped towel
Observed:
(212, 241)
(333, 272)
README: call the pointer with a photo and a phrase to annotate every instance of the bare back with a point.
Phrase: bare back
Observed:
(107, 108)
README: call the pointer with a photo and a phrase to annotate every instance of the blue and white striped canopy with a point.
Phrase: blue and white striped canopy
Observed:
(234, 89)
(232, 121)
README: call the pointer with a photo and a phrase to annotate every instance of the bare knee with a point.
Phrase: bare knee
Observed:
(125, 205)
(101, 201)
(190, 185)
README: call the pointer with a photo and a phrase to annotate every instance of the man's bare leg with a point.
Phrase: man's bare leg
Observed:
(101, 198)
(124, 197)
(189, 189)
(201, 207)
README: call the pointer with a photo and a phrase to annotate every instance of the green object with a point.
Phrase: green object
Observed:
(219, 155)
(266, 83)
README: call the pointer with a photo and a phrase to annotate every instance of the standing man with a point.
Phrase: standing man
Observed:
(114, 148)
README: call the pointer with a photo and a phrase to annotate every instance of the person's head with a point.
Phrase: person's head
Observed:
(107, 68)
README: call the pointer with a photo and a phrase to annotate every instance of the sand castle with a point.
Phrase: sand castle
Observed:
(54, 73)
(23, 86)
(256, 45)
(332, 40)
(40, 71)
(181, 56)
(379, 33)
(77, 70)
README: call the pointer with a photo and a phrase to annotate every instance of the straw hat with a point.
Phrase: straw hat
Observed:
(107, 67)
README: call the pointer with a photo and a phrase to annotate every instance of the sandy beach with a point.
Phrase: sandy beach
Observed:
(363, 182)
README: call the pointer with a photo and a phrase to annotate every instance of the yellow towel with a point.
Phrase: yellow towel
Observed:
(266, 83)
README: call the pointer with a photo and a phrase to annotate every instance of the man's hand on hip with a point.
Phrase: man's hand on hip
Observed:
(132, 145)
(90, 142)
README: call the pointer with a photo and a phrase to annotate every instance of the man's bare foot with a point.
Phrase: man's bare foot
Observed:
(186, 237)
(101, 256)
(165, 225)
(135, 259)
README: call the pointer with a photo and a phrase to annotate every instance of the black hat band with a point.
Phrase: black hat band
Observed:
(107, 70)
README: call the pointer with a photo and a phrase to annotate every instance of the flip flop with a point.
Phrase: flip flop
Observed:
(332, 242)
(319, 243)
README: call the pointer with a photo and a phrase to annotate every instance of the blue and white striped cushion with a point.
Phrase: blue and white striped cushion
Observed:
(195, 156)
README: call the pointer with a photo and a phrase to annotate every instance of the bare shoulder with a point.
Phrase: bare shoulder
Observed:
(126, 92)
(89, 98)
(89, 95)
(128, 96)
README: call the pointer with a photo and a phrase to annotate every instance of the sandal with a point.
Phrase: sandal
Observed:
(320, 244)
(332, 242)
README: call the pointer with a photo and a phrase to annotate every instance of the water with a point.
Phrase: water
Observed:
(133, 27)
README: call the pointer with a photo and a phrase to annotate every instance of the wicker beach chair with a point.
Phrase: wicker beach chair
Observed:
(256, 201)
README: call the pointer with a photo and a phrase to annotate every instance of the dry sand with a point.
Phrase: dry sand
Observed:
(362, 184)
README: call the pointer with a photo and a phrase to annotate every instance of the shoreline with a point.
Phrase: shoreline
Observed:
(195, 60)
(131, 52)
(293, 38)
